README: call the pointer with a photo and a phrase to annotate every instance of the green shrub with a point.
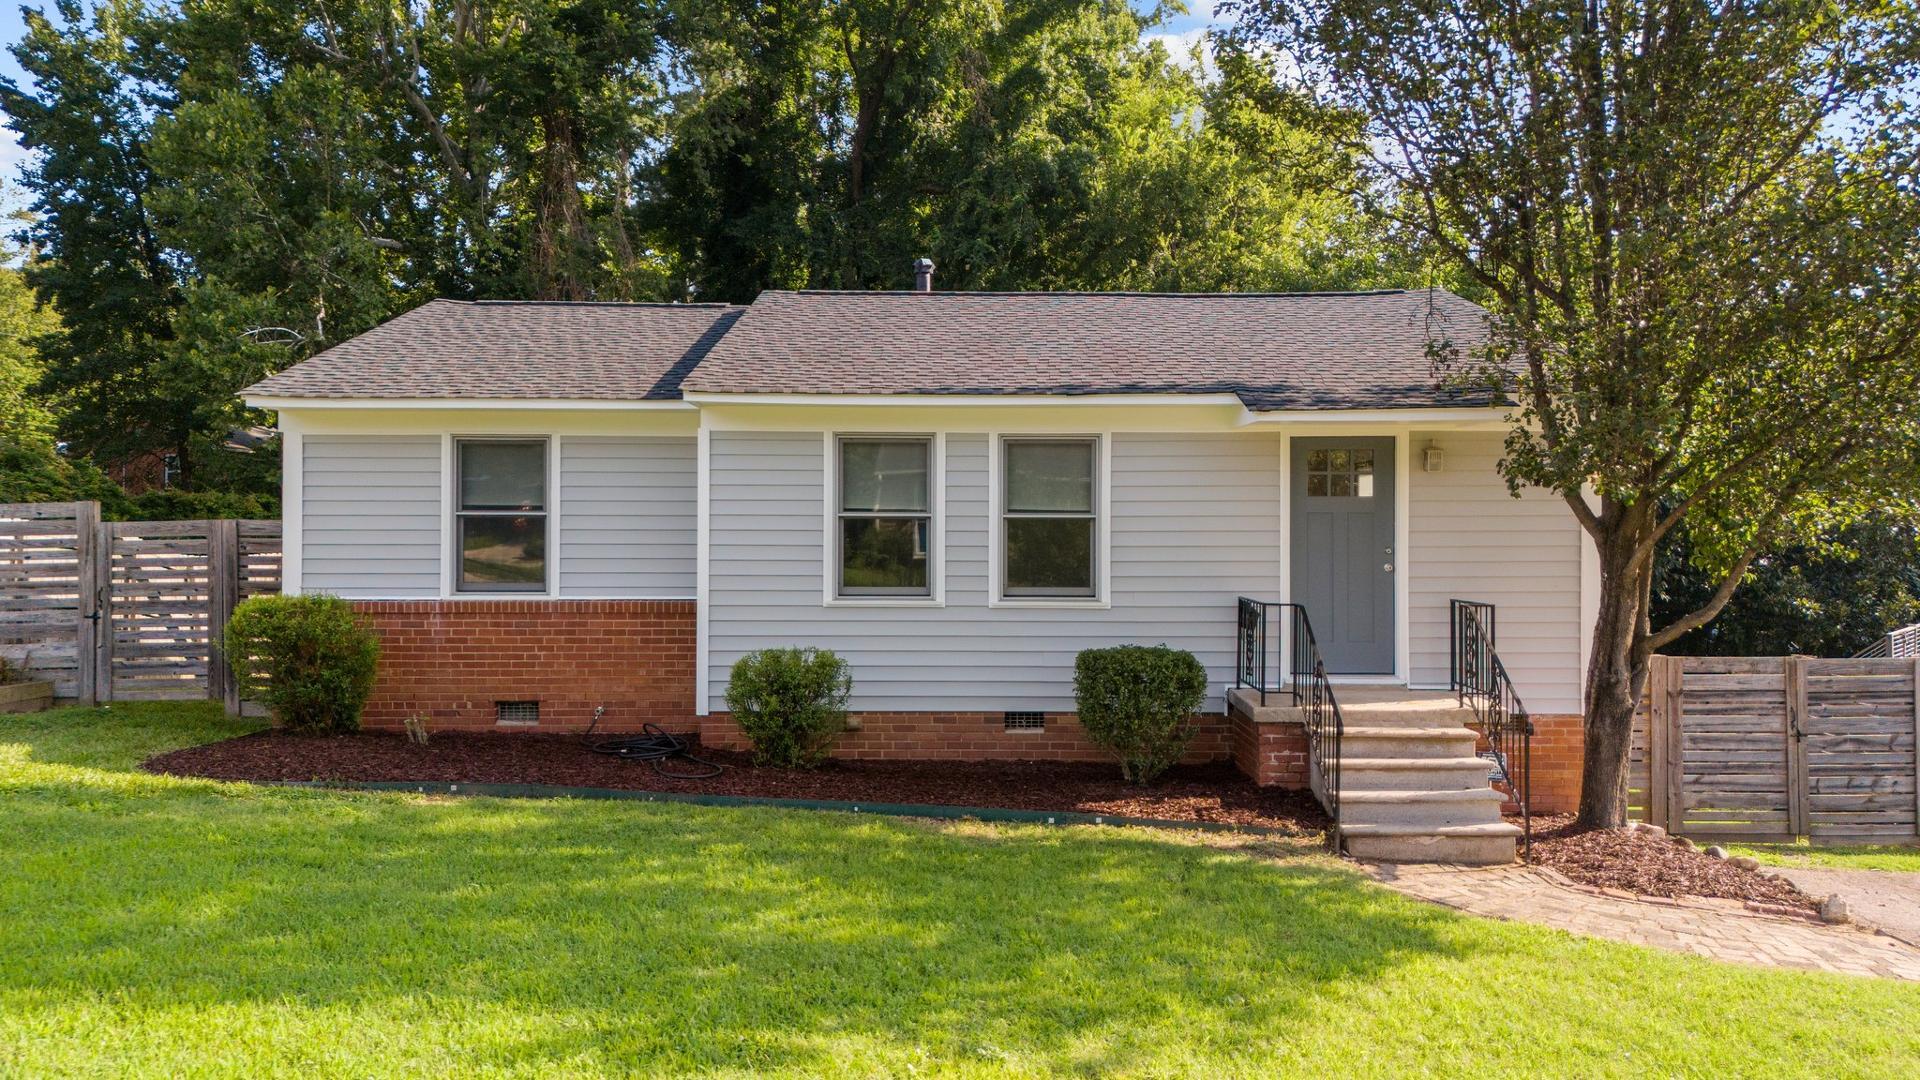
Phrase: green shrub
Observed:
(305, 657)
(792, 703)
(1138, 701)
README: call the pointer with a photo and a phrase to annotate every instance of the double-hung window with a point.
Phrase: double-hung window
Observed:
(884, 511)
(1049, 524)
(500, 518)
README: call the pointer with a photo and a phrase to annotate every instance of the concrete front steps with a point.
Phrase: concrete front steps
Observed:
(1411, 787)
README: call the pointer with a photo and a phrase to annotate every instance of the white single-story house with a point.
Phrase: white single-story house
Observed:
(550, 509)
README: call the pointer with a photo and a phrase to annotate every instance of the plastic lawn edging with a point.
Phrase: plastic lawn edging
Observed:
(911, 810)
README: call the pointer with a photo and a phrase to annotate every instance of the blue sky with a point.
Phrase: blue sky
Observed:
(1179, 33)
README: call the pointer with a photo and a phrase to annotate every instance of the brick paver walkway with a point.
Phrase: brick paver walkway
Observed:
(1719, 929)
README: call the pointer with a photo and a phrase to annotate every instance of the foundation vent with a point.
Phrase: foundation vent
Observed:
(1025, 721)
(516, 713)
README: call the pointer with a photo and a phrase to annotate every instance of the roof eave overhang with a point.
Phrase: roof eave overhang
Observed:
(1470, 416)
(997, 401)
(273, 401)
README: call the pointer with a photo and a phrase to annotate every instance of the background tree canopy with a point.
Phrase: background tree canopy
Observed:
(223, 187)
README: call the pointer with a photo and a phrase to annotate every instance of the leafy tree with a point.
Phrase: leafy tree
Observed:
(24, 417)
(102, 267)
(1832, 597)
(1697, 227)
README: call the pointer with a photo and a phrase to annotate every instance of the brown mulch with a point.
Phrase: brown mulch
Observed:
(1651, 865)
(1211, 793)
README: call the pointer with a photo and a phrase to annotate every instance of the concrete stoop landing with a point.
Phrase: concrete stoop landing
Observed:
(1411, 787)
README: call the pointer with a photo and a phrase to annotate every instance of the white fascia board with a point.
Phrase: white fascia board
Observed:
(462, 403)
(952, 400)
(1490, 417)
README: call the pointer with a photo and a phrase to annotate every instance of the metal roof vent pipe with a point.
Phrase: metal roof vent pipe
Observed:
(923, 275)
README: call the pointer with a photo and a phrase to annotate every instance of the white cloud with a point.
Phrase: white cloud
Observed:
(1180, 47)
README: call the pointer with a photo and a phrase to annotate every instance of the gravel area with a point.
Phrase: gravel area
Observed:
(1213, 793)
(1651, 865)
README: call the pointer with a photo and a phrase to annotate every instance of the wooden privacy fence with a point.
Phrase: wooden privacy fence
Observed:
(127, 610)
(1774, 748)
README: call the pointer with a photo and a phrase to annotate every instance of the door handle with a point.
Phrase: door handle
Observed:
(1388, 567)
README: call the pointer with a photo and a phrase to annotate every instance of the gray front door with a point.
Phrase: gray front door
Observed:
(1343, 557)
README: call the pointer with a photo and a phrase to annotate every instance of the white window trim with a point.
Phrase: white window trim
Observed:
(450, 515)
(830, 523)
(1102, 599)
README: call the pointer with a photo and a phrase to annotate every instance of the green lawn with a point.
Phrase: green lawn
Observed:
(1834, 856)
(159, 927)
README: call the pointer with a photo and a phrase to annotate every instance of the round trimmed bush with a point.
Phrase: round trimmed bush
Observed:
(306, 658)
(1138, 701)
(791, 703)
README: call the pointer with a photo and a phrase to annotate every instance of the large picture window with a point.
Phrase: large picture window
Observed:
(501, 515)
(1049, 517)
(885, 516)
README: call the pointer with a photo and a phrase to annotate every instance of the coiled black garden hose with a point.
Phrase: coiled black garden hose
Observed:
(655, 746)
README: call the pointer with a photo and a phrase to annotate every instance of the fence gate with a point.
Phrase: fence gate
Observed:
(127, 610)
(1773, 748)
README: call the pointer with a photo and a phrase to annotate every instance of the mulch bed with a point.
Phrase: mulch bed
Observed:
(1212, 793)
(1651, 865)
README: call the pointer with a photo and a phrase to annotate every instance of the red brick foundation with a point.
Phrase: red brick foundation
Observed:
(1271, 754)
(929, 736)
(1558, 749)
(452, 660)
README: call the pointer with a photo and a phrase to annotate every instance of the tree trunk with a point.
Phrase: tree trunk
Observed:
(1616, 679)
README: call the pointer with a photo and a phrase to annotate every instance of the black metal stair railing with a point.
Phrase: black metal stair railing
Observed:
(1307, 686)
(1481, 682)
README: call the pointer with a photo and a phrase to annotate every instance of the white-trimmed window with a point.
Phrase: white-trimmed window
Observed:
(500, 515)
(883, 529)
(1049, 517)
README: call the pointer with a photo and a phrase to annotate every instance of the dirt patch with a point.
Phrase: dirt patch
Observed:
(1212, 793)
(1651, 865)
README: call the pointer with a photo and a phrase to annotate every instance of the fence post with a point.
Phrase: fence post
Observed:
(1914, 685)
(102, 659)
(1657, 741)
(86, 550)
(1676, 742)
(223, 586)
(1795, 683)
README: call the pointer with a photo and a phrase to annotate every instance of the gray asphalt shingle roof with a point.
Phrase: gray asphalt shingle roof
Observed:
(1275, 351)
(514, 350)
(1281, 350)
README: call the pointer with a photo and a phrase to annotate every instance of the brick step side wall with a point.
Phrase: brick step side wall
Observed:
(452, 660)
(1558, 749)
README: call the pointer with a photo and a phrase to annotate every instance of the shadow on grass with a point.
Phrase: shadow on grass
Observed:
(685, 938)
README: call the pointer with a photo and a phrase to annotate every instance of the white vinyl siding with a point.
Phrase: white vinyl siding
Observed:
(1472, 540)
(627, 515)
(371, 515)
(1195, 523)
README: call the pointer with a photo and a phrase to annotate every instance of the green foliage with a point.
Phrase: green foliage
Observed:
(34, 472)
(1831, 598)
(1138, 701)
(307, 658)
(791, 703)
(24, 417)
